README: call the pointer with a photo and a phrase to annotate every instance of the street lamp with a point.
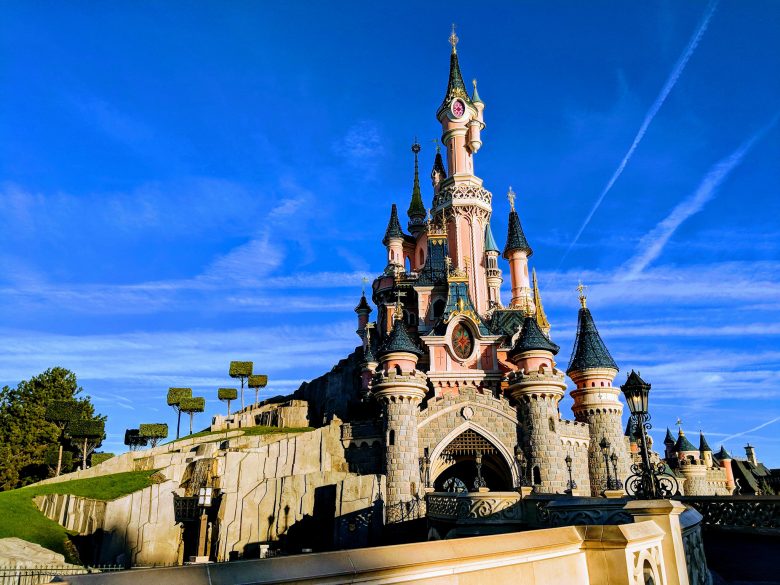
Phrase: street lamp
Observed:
(479, 482)
(571, 485)
(205, 495)
(647, 481)
(522, 475)
(611, 482)
(614, 459)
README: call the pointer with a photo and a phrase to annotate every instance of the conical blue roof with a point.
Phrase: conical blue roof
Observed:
(490, 241)
(703, 446)
(393, 226)
(683, 444)
(416, 207)
(722, 454)
(515, 239)
(589, 349)
(531, 338)
(399, 340)
(669, 439)
(455, 86)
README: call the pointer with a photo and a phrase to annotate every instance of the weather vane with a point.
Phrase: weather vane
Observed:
(365, 282)
(678, 424)
(438, 146)
(581, 288)
(453, 38)
(511, 196)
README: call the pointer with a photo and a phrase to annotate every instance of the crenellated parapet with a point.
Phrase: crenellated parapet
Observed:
(462, 194)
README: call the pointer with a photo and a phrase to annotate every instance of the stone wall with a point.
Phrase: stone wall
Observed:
(334, 393)
(286, 413)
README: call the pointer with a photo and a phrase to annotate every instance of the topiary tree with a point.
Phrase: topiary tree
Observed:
(61, 412)
(175, 396)
(241, 370)
(87, 436)
(191, 406)
(227, 395)
(258, 381)
(58, 459)
(153, 432)
(133, 439)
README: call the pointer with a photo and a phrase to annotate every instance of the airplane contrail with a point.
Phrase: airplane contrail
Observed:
(761, 426)
(653, 242)
(659, 101)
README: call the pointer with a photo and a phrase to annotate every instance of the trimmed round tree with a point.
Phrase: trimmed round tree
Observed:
(87, 435)
(55, 457)
(175, 396)
(133, 439)
(257, 381)
(241, 371)
(61, 412)
(227, 395)
(191, 406)
(153, 432)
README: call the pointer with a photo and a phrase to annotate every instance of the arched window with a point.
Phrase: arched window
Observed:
(391, 437)
(438, 308)
(421, 258)
(407, 264)
(552, 424)
(537, 475)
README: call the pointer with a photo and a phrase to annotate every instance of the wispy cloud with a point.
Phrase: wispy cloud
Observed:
(761, 426)
(652, 244)
(361, 146)
(674, 76)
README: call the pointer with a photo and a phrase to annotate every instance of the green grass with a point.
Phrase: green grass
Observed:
(21, 518)
(249, 431)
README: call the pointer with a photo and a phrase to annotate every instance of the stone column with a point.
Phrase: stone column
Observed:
(400, 396)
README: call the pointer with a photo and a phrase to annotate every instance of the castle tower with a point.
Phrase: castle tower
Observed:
(517, 252)
(459, 196)
(684, 448)
(669, 446)
(537, 387)
(750, 453)
(494, 279)
(724, 460)
(705, 453)
(416, 211)
(363, 310)
(399, 387)
(394, 242)
(596, 401)
(369, 364)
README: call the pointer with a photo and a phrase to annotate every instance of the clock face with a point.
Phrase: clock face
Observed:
(458, 108)
(462, 341)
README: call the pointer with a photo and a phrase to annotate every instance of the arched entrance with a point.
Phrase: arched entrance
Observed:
(467, 460)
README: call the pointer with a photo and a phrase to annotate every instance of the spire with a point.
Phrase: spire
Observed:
(589, 350)
(490, 241)
(438, 165)
(475, 99)
(399, 340)
(541, 317)
(722, 454)
(455, 85)
(416, 207)
(629, 432)
(532, 338)
(368, 353)
(393, 226)
(669, 439)
(515, 239)
(363, 306)
(683, 444)
(703, 446)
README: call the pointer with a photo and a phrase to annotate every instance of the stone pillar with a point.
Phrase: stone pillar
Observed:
(537, 395)
(666, 514)
(400, 396)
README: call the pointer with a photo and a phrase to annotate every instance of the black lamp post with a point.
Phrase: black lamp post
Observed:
(647, 481)
(479, 482)
(614, 459)
(522, 471)
(611, 482)
(570, 485)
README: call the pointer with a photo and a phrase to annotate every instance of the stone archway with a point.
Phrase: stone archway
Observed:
(454, 458)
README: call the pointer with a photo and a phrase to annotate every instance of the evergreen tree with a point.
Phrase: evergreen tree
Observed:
(175, 396)
(153, 433)
(191, 406)
(25, 434)
(240, 371)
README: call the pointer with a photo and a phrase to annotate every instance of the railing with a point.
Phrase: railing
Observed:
(760, 513)
(475, 507)
(45, 573)
(405, 511)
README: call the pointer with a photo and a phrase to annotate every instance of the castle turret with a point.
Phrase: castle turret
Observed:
(692, 468)
(724, 460)
(669, 446)
(537, 387)
(399, 387)
(369, 364)
(363, 310)
(476, 124)
(596, 401)
(416, 211)
(517, 252)
(684, 448)
(750, 452)
(492, 270)
(394, 242)
(705, 453)
(438, 172)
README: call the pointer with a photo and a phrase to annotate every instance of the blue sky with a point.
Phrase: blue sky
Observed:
(186, 184)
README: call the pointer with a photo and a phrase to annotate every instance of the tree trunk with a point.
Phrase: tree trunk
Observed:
(59, 462)
(84, 456)
(192, 415)
(257, 391)
(228, 408)
(242, 394)
(178, 421)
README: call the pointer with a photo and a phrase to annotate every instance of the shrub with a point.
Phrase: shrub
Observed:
(240, 369)
(98, 458)
(227, 393)
(153, 432)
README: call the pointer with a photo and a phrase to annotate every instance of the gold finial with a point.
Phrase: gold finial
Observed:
(438, 146)
(581, 288)
(541, 317)
(467, 262)
(398, 314)
(679, 426)
(365, 282)
(454, 39)
(448, 263)
(511, 196)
